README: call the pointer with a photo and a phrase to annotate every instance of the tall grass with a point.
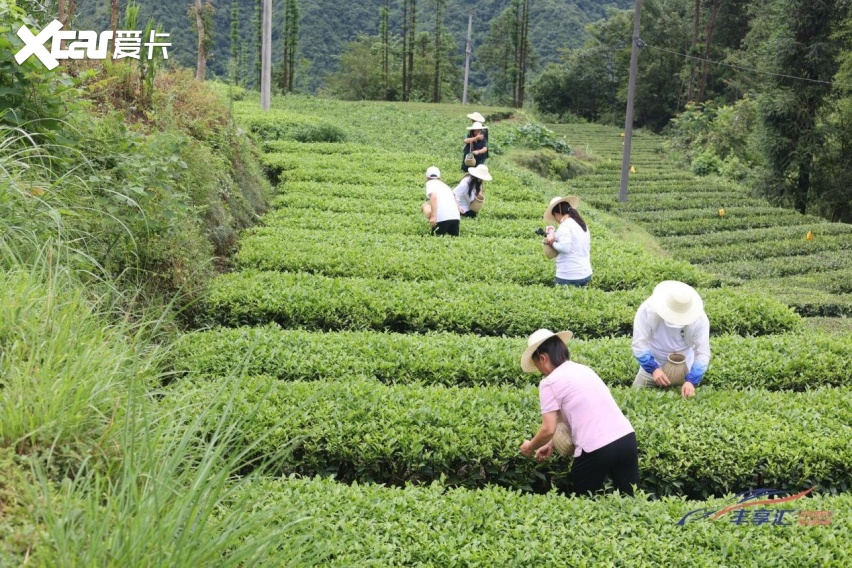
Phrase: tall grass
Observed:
(93, 471)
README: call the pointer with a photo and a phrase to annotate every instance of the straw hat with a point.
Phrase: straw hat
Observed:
(571, 200)
(476, 117)
(481, 172)
(677, 303)
(475, 126)
(432, 172)
(534, 342)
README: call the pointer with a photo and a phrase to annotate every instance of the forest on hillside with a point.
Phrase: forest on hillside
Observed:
(759, 91)
(326, 26)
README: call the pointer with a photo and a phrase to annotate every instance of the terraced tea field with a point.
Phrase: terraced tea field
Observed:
(390, 357)
(753, 245)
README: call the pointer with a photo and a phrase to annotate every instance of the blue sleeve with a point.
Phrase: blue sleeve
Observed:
(696, 373)
(647, 362)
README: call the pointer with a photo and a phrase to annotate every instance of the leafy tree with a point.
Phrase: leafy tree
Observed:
(361, 76)
(507, 53)
(795, 45)
(30, 95)
(203, 16)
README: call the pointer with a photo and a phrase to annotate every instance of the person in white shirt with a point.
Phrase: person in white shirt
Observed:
(445, 214)
(470, 187)
(672, 320)
(571, 240)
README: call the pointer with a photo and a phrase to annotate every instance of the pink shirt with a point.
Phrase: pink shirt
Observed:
(586, 405)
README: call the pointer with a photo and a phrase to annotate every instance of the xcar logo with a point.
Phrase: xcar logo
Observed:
(128, 43)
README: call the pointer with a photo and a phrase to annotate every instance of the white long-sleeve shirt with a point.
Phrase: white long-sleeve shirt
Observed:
(574, 246)
(654, 341)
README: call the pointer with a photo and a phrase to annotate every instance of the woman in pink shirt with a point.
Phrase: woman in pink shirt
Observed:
(604, 439)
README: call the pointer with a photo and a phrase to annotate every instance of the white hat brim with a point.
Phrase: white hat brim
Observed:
(663, 290)
(479, 174)
(527, 364)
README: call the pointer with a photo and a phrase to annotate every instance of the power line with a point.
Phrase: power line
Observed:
(742, 68)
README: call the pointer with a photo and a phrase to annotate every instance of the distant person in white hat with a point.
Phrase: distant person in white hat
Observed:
(571, 240)
(671, 321)
(475, 143)
(476, 117)
(604, 440)
(470, 188)
(444, 210)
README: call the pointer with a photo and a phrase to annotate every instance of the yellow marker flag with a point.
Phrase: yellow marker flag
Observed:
(809, 236)
(632, 170)
(722, 212)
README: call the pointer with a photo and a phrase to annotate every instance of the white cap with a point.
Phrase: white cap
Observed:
(432, 172)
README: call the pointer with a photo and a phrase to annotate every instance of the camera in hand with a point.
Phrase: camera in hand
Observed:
(540, 232)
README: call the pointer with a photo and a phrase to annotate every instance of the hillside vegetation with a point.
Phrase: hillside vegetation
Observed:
(326, 26)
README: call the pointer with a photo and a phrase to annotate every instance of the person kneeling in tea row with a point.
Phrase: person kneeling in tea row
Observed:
(671, 326)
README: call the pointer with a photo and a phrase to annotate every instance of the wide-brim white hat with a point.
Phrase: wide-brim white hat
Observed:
(677, 303)
(571, 200)
(476, 117)
(475, 126)
(481, 172)
(534, 342)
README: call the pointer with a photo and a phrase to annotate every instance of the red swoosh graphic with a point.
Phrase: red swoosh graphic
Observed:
(764, 502)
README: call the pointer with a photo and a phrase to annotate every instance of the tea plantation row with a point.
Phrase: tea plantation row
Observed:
(366, 525)
(359, 429)
(788, 361)
(318, 302)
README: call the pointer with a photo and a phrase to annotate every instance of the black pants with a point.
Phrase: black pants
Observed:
(469, 213)
(618, 459)
(450, 227)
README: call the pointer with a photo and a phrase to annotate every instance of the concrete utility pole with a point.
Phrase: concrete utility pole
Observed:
(266, 57)
(631, 91)
(467, 56)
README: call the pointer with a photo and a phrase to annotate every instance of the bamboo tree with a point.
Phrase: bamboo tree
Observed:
(715, 6)
(523, 51)
(235, 37)
(405, 50)
(291, 41)
(257, 30)
(384, 29)
(439, 24)
(413, 31)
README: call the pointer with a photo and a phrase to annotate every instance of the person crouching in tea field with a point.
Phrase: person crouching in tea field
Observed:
(604, 440)
(444, 211)
(671, 338)
(571, 240)
(469, 190)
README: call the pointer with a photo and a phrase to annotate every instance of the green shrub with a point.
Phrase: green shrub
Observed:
(370, 525)
(551, 165)
(295, 300)
(535, 135)
(706, 163)
(617, 266)
(713, 444)
(318, 133)
(790, 361)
